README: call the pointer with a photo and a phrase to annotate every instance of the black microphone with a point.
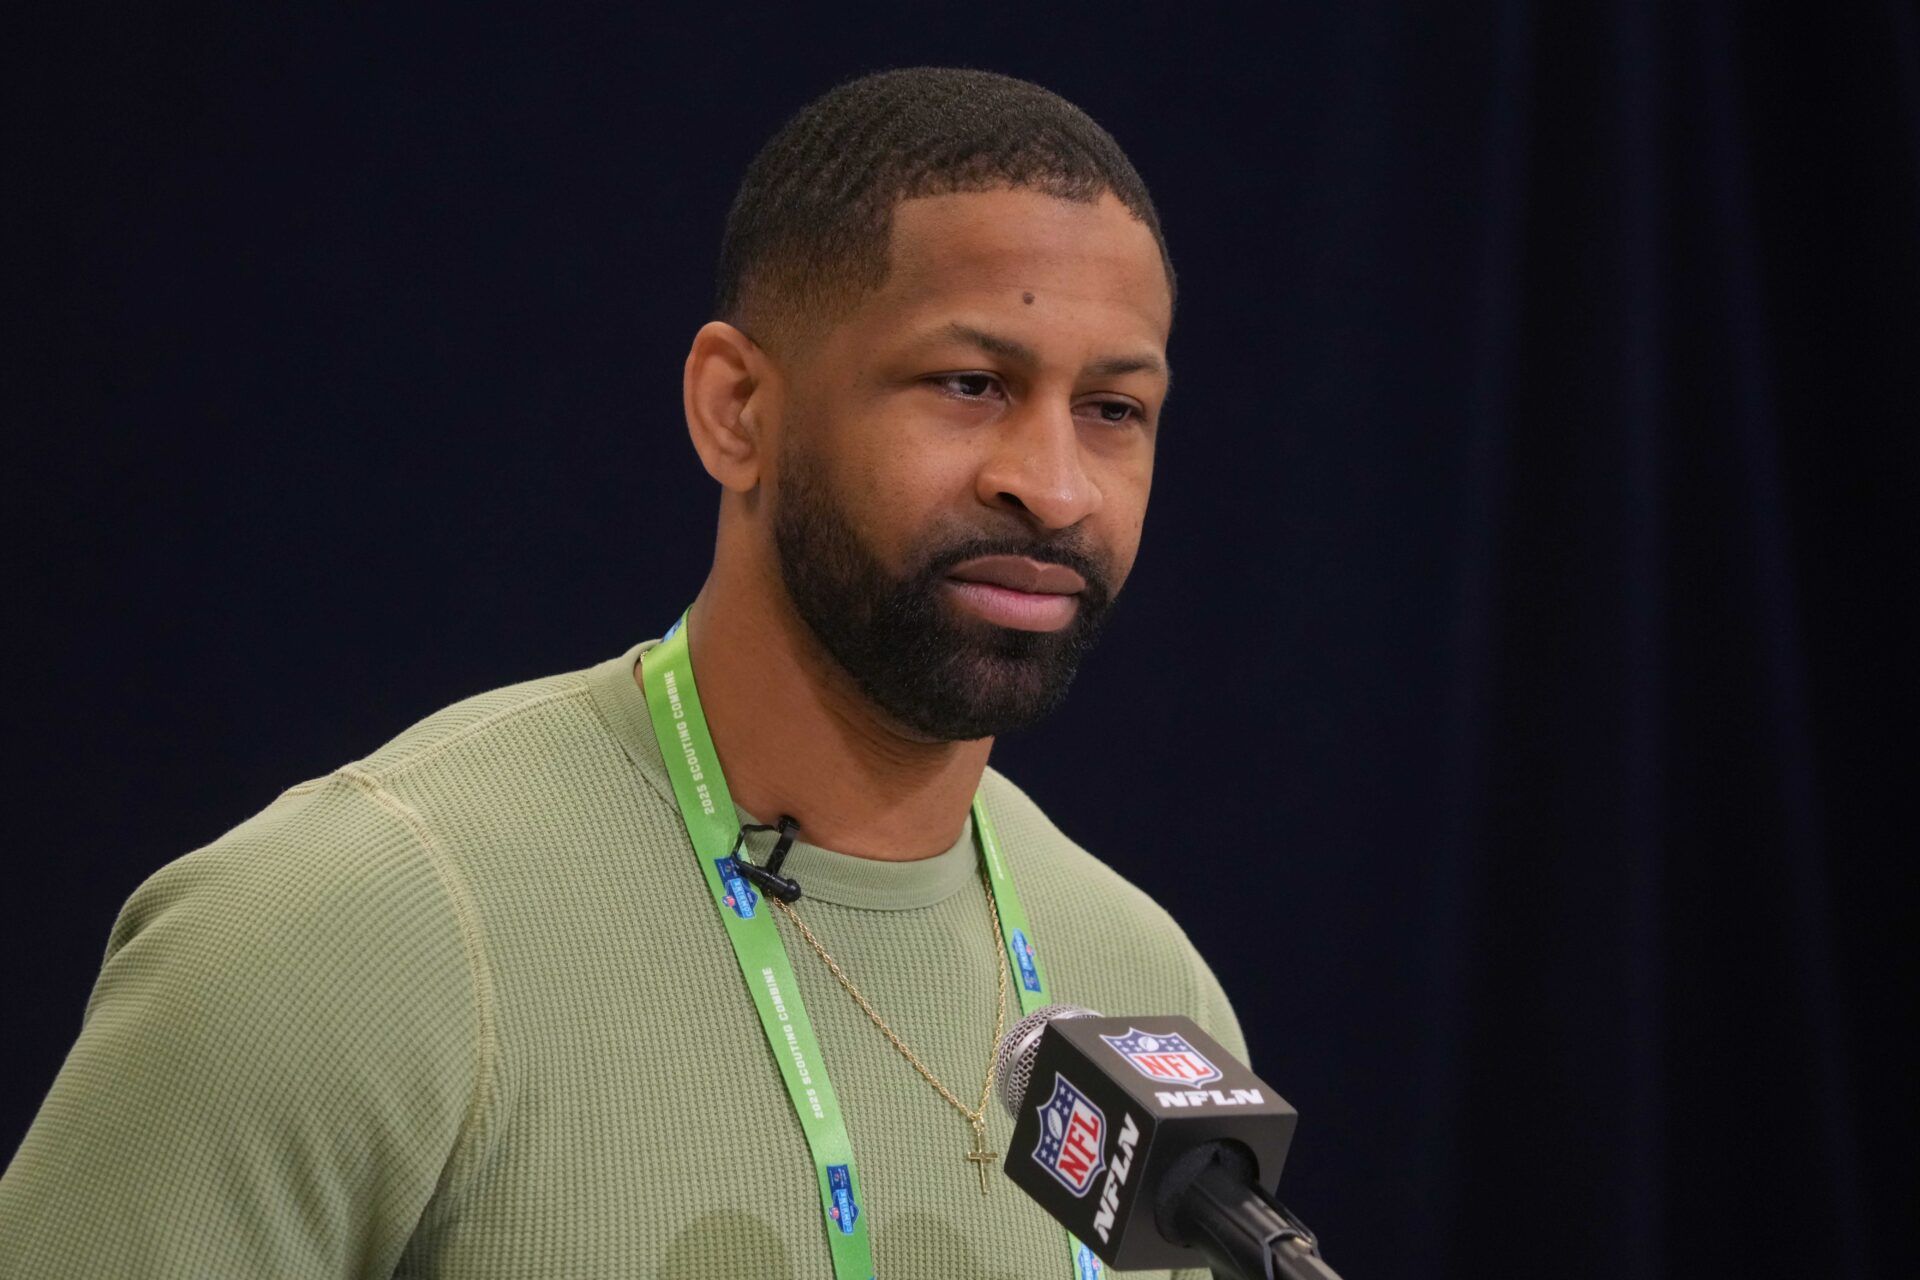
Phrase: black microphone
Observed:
(1151, 1144)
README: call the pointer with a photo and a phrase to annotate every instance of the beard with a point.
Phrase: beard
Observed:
(944, 675)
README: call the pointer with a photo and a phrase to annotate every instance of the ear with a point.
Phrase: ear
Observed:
(731, 392)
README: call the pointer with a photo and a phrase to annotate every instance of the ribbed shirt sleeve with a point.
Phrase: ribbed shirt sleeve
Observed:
(277, 1066)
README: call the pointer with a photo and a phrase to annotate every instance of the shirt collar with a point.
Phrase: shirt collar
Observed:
(867, 883)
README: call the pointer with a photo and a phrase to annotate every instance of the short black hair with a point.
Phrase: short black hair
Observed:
(810, 226)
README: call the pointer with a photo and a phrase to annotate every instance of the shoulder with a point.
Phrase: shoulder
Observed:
(1110, 946)
(351, 846)
(315, 943)
(1051, 862)
(479, 727)
(351, 874)
(303, 988)
(340, 900)
(325, 890)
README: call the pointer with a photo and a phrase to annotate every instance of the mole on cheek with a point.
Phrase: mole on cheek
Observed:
(1027, 298)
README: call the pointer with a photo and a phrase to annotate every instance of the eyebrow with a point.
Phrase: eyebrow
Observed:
(1011, 349)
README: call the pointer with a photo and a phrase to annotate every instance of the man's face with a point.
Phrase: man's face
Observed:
(964, 467)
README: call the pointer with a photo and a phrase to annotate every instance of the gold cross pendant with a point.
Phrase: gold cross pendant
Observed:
(979, 1155)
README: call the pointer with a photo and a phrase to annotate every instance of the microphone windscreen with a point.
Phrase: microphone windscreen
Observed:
(1013, 1065)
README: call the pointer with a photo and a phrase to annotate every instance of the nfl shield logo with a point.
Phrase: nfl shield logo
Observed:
(1166, 1059)
(1072, 1136)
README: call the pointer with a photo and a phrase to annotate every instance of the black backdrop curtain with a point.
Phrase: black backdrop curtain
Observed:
(1514, 697)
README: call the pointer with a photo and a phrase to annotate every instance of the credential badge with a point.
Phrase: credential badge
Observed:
(1023, 955)
(740, 894)
(846, 1210)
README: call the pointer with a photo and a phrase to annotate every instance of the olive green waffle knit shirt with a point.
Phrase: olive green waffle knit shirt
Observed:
(464, 1009)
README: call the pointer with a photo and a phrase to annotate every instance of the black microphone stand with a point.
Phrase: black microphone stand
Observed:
(1209, 1201)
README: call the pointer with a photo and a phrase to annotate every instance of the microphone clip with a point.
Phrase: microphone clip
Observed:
(768, 878)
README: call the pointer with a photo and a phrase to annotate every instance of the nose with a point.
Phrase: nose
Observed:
(1036, 466)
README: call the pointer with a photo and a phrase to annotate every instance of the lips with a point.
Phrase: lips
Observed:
(1018, 573)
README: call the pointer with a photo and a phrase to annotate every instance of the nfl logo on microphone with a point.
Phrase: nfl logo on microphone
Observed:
(1072, 1133)
(1168, 1059)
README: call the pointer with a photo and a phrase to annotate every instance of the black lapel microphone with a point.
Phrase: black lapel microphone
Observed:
(768, 877)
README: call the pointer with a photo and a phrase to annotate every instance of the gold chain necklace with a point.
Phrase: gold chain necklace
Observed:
(977, 1154)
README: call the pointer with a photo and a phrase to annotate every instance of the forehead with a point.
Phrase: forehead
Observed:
(963, 247)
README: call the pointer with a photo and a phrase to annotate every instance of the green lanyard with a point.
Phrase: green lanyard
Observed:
(707, 808)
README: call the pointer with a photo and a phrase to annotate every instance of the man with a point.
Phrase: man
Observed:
(487, 1002)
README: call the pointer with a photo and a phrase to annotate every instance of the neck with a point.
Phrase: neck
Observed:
(795, 736)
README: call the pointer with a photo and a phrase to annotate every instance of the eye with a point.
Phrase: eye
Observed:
(1117, 412)
(965, 386)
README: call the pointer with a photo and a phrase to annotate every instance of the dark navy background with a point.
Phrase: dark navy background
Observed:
(1515, 696)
